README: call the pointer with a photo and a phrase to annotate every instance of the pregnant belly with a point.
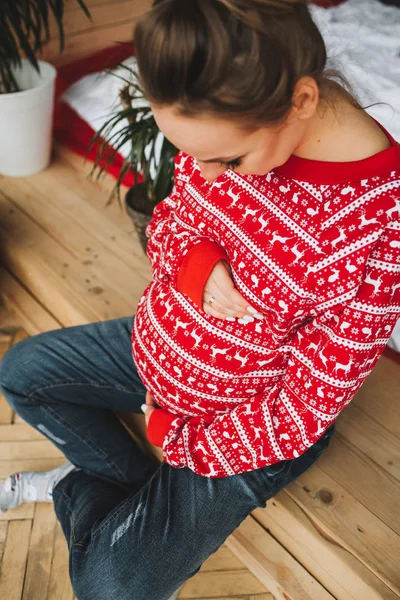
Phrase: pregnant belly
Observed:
(195, 364)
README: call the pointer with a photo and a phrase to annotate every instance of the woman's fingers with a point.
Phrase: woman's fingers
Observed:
(149, 399)
(228, 303)
(149, 410)
(220, 285)
(148, 407)
(221, 312)
(230, 298)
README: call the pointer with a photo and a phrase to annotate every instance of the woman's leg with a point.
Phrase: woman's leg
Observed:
(135, 529)
(159, 536)
(65, 383)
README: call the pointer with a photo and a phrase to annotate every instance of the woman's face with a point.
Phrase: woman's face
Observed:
(218, 144)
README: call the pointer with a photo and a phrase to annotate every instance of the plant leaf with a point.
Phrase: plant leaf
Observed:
(24, 27)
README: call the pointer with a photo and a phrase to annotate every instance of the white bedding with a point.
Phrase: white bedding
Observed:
(363, 41)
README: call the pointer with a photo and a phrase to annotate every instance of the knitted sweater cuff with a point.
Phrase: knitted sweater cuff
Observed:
(159, 426)
(196, 268)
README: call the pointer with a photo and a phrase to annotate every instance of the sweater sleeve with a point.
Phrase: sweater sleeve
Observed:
(331, 357)
(196, 269)
(169, 241)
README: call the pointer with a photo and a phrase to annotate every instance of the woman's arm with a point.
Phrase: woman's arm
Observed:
(331, 357)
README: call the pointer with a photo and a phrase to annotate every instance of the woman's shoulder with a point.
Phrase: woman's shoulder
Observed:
(356, 136)
(366, 138)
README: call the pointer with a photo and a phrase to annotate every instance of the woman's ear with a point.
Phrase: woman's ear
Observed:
(305, 98)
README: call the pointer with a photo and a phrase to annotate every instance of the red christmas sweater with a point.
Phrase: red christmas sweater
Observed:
(315, 247)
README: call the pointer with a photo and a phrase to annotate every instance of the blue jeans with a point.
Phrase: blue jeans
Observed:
(136, 528)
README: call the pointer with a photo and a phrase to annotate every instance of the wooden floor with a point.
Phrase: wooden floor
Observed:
(69, 259)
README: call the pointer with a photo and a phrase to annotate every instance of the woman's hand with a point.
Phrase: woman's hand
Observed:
(148, 407)
(229, 304)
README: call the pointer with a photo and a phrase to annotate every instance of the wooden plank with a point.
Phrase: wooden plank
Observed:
(5, 337)
(60, 585)
(83, 44)
(371, 438)
(66, 161)
(19, 335)
(18, 420)
(40, 263)
(270, 562)
(341, 518)
(315, 533)
(87, 237)
(103, 15)
(392, 355)
(376, 397)
(14, 560)
(376, 489)
(77, 226)
(6, 412)
(222, 560)
(264, 596)
(23, 512)
(28, 450)
(7, 467)
(8, 322)
(31, 314)
(40, 552)
(224, 565)
(3, 536)
(19, 433)
(72, 171)
(222, 583)
(93, 211)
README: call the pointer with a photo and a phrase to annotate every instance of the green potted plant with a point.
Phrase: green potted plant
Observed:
(150, 157)
(26, 83)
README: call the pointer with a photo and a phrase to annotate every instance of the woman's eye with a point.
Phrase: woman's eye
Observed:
(233, 164)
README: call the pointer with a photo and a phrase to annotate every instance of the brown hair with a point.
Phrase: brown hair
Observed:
(231, 57)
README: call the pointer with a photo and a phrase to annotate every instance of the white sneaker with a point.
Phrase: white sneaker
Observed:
(31, 486)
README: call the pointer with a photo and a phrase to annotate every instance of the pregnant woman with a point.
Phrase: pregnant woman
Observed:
(276, 286)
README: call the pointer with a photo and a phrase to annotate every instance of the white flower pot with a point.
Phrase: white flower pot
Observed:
(26, 119)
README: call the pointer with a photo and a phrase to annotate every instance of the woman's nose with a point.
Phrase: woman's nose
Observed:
(210, 171)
